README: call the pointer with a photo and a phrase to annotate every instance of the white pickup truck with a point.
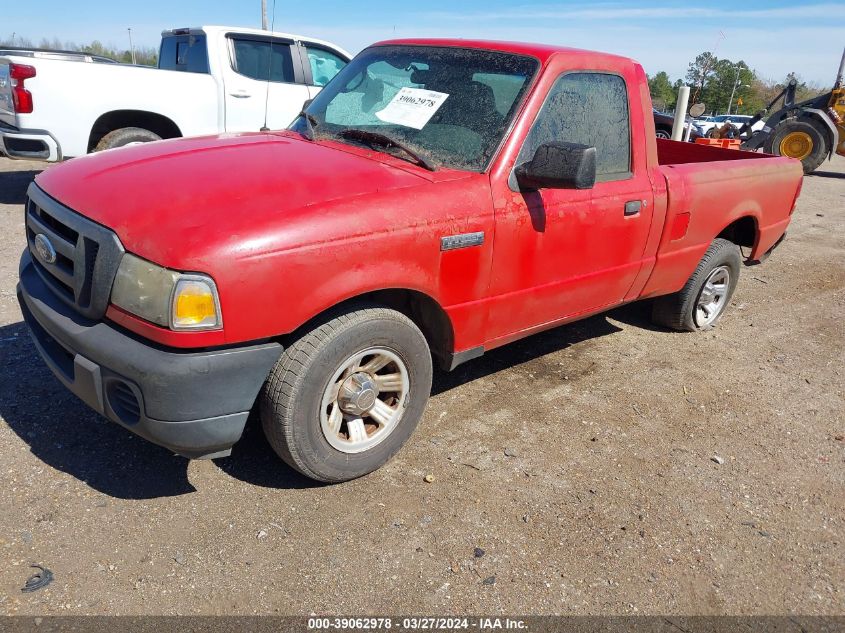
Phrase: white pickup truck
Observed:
(210, 79)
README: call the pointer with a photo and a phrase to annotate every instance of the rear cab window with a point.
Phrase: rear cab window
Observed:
(590, 108)
(186, 52)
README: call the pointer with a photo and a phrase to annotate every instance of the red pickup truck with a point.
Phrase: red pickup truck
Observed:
(439, 198)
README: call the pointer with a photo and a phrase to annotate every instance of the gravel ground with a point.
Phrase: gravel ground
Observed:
(582, 462)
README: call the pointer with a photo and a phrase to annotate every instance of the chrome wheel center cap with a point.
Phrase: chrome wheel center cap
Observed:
(357, 394)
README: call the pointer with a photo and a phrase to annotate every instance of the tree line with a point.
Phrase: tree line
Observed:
(144, 55)
(724, 86)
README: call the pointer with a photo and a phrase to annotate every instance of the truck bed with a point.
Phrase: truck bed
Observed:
(678, 153)
(707, 190)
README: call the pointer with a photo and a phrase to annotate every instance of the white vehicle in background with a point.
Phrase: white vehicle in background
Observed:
(707, 124)
(209, 80)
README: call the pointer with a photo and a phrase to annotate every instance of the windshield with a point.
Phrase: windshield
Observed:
(451, 106)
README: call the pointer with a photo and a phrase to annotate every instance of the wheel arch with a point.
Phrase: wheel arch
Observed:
(117, 119)
(743, 231)
(425, 311)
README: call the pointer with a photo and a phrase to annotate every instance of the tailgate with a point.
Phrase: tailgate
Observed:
(7, 109)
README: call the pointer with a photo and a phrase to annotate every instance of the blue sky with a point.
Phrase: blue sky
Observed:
(773, 37)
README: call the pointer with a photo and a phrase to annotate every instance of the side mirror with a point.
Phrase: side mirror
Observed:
(559, 166)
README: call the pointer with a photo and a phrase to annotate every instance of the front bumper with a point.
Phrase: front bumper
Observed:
(29, 144)
(193, 403)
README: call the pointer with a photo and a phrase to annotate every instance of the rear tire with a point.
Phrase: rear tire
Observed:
(703, 299)
(126, 136)
(663, 133)
(328, 409)
(803, 139)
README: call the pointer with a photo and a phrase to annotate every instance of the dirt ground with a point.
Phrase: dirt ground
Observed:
(582, 461)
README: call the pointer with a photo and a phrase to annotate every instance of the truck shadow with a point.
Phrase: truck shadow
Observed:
(13, 185)
(548, 342)
(254, 462)
(65, 434)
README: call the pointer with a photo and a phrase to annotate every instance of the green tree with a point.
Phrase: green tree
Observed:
(663, 95)
(699, 74)
(721, 83)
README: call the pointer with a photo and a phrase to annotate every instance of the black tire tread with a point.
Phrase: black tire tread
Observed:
(285, 380)
(673, 311)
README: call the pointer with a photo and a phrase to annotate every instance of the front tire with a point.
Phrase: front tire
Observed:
(703, 299)
(126, 136)
(346, 396)
(801, 139)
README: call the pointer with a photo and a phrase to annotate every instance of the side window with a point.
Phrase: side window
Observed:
(324, 65)
(261, 59)
(591, 109)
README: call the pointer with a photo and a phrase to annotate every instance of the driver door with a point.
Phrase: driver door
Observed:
(560, 253)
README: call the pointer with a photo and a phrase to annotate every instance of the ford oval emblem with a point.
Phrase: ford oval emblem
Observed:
(45, 249)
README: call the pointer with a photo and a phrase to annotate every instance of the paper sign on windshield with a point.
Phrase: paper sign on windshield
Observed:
(412, 107)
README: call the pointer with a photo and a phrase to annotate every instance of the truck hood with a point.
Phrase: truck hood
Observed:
(168, 199)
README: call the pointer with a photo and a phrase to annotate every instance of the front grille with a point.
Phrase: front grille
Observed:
(86, 254)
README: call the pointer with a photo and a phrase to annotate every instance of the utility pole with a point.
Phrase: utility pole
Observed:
(264, 14)
(131, 46)
(733, 89)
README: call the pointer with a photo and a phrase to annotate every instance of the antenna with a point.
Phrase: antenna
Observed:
(264, 127)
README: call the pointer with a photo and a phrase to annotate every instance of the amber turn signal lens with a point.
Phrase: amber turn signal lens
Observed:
(195, 304)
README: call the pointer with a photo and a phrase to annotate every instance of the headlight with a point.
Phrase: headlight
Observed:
(180, 301)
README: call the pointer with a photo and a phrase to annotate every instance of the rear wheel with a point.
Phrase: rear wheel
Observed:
(663, 133)
(345, 397)
(801, 139)
(703, 299)
(126, 136)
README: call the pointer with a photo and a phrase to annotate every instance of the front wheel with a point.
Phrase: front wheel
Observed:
(345, 397)
(703, 299)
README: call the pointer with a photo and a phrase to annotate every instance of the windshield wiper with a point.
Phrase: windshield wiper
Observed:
(310, 123)
(377, 138)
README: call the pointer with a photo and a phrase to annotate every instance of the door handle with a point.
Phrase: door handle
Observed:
(632, 207)
(241, 95)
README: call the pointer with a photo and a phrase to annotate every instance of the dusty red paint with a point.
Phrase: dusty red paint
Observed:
(289, 228)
